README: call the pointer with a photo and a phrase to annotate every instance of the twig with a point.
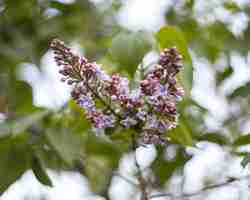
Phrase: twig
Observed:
(125, 179)
(142, 181)
(210, 187)
(103, 102)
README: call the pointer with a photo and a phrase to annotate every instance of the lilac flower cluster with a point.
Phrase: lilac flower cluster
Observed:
(109, 102)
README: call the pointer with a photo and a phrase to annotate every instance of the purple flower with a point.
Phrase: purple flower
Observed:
(100, 120)
(141, 115)
(151, 122)
(151, 137)
(87, 103)
(152, 105)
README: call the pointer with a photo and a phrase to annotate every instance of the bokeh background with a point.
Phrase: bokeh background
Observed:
(39, 121)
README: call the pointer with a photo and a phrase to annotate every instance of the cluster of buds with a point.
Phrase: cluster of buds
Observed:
(151, 108)
(161, 94)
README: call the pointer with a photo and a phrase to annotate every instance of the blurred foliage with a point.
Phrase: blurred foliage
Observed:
(170, 36)
(37, 138)
(128, 49)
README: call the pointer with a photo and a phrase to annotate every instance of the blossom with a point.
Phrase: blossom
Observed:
(108, 100)
(87, 103)
(151, 137)
(100, 120)
(117, 87)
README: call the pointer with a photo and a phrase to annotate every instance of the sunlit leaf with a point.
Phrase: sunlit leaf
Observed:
(181, 134)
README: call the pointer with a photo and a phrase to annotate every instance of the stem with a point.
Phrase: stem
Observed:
(104, 102)
(142, 181)
(125, 179)
(77, 71)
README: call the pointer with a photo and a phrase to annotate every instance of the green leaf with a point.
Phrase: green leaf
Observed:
(68, 146)
(98, 170)
(232, 6)
(15, 159)
(181, 134)
(23, 123)
(170, 36)
(242, 140)
(128, 49)
(20, 125)
(40, 171)
(224, 75)
(243, 91)
(245, 161)
(22, 92)
(102, 157)
(163, 169)
(215, 138)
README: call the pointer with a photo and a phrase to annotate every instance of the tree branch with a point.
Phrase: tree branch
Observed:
(210, 187)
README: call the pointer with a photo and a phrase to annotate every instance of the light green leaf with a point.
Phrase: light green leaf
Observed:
(102, 158)
(68, 146)
(128, 49)
(181, 135)
(170, 36)
(20, 125)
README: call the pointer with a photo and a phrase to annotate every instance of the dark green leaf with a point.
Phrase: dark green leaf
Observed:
(242, 140)
(224, 75)
(40, 171)
(23, 93)
(245, 161)
(163, 169)
(243, 91)
(15, 158)
(170, 36)
(214, 137)
(232, 6)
